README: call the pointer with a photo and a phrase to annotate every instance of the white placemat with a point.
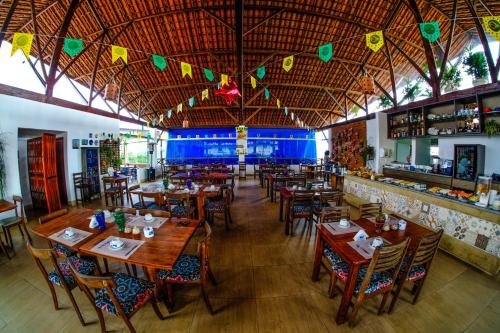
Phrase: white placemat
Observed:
(139, 221)
(77, 237)
(363, 247)
(128, 248)
(336, 229)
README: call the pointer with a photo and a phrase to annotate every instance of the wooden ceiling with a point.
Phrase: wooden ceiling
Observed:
(207, 33)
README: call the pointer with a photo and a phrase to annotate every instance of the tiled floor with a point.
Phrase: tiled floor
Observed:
(264, 286)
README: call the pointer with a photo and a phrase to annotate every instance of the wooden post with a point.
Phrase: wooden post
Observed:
(8, 18)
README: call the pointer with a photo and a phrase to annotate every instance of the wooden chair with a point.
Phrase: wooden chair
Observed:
(416, 267)
(157, 202)
(111, 190)
(370, 209)
(179, 205)
(377, 279)
(59, 249)
(301, 207)
(191, 270)
(326, 199)
(221, 206)
(82, 185)
(18, 220)
(61, 274)
(130, 199)
(334, 214)
(155, 212)
(278, 184)
(121, 295)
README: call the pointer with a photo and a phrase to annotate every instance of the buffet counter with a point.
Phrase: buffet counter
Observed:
(418, 176)
(471, 233)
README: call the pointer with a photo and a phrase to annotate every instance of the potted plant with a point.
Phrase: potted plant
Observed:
(475, 65)
(3, 168)
(384, 102)
(451, 78)
(411, 90)
(492, 128)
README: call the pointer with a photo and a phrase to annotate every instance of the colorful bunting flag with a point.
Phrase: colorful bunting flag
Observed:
(161, 118)
(278, 103)
(148, 136)
(208, 74)
(224, 79)
(218, 85)
(266, 93)
(118, 52)
(204, 94)
(139, 135)
(153, 122)
(261, 71)
(128, 135)
(375, 40)
(288, 63)
(191, 101)
(186, 69)
(430, 30)
(325, 52)
(179, 108)
(73, 46)
(159, 61)
(292, 116)
(286, 111)
(253, 81)
(492, 26)
(169, 113)
(21, 41)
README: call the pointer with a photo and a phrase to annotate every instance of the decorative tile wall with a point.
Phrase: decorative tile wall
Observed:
(474, 231)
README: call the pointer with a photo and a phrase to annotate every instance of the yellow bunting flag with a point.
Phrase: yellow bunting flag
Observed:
(161, 118)
(186, 69)
(278, 103)
(492, 25)
(204, 94)
(224, 79)
(288, 63)
(253, 81)
(179, 108)
(375, 40)
(139, 135)
(22, 41)
(118, 52)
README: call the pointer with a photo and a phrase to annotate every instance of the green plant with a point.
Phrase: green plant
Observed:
(355, 111)
(384, 102)
(3, 168)
(412, 90)
(475, 64)
(492, 127)
(110, 156)
(451, 78)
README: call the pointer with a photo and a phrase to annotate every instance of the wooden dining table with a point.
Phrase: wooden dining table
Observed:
(6, 206)
(339, 244)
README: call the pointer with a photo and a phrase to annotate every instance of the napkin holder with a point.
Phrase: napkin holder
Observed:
(360, 235)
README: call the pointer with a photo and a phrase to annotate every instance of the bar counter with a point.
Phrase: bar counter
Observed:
(471, 233)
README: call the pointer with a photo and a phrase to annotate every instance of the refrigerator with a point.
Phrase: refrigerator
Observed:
(90, 169)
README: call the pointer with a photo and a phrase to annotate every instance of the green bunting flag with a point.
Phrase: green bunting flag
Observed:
(159, 61)
(153, 122)
(191, 101)
(261, 71)
(209, 74)
(73, 46)
(266, 93)
(128, 135)
(218, 85)
(169, 113)
(430, 30)
(325, 52)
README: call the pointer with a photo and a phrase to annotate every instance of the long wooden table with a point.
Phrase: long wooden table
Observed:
(6, 206)
(339, 244)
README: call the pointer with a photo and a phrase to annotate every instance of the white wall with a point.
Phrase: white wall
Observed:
(376, 136)
(21, 113)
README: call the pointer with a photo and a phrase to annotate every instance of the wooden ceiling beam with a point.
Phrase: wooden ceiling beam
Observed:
(40, 13)
(263, 21)
(239, 9)
(410, 60)
(7, 20)
(448, 42)
(37, 37)
(218, 19)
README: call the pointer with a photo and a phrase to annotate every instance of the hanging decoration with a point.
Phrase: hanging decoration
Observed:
(229, 92)
(186, 69)
(208, 74)
(118, 52)
(169, 113)
(367, 85)
(253, 81)
(73, 46)
(218, 85)
(288, 63)
(278, 103)
(375, 40)
(161, 118)
(128, 135)
(179, 108)
(261, 71)
(292, 115)
(325, 52)
(185, 123)
(492, 26)
(111, 91)
(23, 42)
(267, 93)
(153, 122)
(224, 79)
(191, 101)
(430, 30)
(286, 111)
(139, 135)
(159, 61)
(204, 94)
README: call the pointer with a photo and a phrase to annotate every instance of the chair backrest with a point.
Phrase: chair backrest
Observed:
(386, 259)
(328, 196)
(18, 201)
(155, 212)
(204, 248)
(109, 183)
(370, 209)
(176, 197)
(53, 215)
(427, 248)
(159, 197)
(48, 255)
(130, 189)
(303, 198)
(227, 193)
(334, 214)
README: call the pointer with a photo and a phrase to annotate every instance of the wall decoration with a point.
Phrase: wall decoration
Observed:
(349, 144)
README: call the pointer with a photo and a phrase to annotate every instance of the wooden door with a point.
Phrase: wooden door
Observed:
(61, 174)
(49, 165)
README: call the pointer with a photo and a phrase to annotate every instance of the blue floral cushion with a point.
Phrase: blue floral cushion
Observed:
(173, 201)
(338, 265)
(62, 250)
(186, 268)
(216, 206)
(299, 210)
(156, 207)
(82, 266)
(131, 293)
(147, 204)
(182, 211)
(416, 272)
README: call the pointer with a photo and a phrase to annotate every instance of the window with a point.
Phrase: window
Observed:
(135, 151)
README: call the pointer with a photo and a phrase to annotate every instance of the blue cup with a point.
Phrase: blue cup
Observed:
(101, 221)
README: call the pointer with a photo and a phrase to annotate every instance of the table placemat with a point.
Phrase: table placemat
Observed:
(129, 247)
(139, 221)
(336, 229)
(77, 237)
(208, 189)
(363, 247)
(392, 220)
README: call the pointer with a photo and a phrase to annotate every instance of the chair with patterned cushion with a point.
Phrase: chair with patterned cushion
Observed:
(278, 184)
(221, 206)
(370, 209)
(61, 274)
(301, 207)
(378, 278)
(61, 250)
(416, 267)
(156, 200)
(179, 205)
(120, 294)
(138, 204)
(326, 199)
(191, 270)
(111, 190)
(18, 220)
(334, 214)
